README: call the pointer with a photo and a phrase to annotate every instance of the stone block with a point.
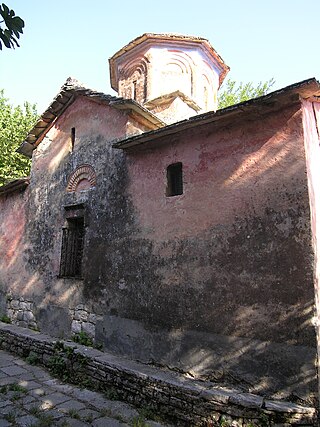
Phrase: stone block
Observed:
(10, 313)
(89, 328)
(32, 325)
(29, 306)
(15, 304)
(247, 400)
(22, 324)
(92, 318)
(20, 315)
(23, 305)
(54, 320)
(288, 407)
(81, 315)
(76, 327)
(28, 316)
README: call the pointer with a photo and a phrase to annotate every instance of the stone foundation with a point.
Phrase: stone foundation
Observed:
(21, 312)
(83, 321)
(181, 400)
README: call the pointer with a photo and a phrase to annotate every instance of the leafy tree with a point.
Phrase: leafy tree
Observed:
(232, 93)
(11, 27)
(15, 123)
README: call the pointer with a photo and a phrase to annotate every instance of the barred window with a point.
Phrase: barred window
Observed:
(72, 248)
(174, 180)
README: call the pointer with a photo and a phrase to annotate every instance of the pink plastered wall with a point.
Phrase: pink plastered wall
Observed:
(311, 123)
(89, 118)
(13, 208)
(229, 171)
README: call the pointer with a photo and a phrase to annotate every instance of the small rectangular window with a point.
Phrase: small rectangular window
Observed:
(73, 138)
(72, 248)
(174, 179)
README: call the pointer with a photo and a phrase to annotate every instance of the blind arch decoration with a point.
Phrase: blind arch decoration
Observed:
(83, 178)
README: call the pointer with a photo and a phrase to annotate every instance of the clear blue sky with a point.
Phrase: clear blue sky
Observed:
(258, 39)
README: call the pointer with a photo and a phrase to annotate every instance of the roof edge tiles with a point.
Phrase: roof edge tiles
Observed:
(15, 185)
(71, 89)
(305, 89)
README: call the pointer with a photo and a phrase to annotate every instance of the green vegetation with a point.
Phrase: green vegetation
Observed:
(11, 417)
(11, 26)
(12, 387)
(73, 413)
(232, 93)
(5, 319)
(15, 123)
(32, 358)
(45, 420)
(83, 338)
(139, 422)
(111, 393)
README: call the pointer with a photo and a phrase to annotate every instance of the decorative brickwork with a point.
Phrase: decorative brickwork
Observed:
(83, 178)
(155, 65)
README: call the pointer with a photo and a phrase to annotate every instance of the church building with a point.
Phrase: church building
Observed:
(171, 232)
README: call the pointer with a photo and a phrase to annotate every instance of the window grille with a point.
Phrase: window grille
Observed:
(174, 179)
(72, 248)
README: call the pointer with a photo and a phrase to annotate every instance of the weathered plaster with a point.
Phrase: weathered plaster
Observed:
(217, 281)
(311, 123)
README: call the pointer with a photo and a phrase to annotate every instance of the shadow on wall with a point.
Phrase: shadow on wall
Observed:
(216, 303)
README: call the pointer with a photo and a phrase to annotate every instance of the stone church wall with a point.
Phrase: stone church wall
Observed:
(217, 282)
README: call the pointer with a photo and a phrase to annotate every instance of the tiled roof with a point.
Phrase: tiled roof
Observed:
(69, 91)
(271, 101)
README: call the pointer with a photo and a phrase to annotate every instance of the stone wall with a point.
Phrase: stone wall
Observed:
(21, 312)
(217, 281)
(178, 398)
(83, 321)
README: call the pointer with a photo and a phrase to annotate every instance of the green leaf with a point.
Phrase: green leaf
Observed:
(15, 123)
(13, 27)
(231, 94)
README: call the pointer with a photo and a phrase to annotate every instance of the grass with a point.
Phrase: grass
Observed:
(35, 410)
(10, 417)
(12, 387)
(44, 421)
(139, 422)
(73, 413)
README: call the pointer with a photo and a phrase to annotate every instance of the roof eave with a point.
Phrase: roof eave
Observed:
(15, 185)
(68, 93)
(292, 93)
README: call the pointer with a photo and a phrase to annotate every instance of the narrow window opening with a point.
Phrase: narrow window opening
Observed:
(72, 248)
(135, 90)
(174, 180)
(73, 138)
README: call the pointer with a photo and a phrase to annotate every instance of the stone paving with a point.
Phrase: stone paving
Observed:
(31, 397)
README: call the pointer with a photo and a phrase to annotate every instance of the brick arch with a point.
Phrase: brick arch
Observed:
(136, 64)
(83, 178)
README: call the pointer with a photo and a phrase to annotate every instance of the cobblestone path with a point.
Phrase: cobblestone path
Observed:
(30, 397)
